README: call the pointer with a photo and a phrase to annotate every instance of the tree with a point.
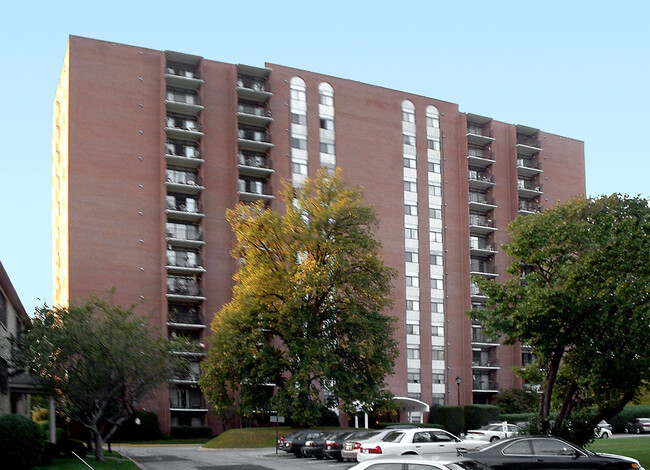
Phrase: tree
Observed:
(97, 360)
(306, 313)
(579, 295)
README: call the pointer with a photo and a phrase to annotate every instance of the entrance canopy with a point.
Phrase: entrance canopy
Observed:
(411, 404)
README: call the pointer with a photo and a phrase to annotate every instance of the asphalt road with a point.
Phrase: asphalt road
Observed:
(194, 457)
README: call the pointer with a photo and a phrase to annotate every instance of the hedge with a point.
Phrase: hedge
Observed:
(476, 416)
(22, 442)
(191, 432)
(450, 417)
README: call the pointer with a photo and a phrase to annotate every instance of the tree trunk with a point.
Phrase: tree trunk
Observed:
(566, 406)
(99, 446)
(545, 407)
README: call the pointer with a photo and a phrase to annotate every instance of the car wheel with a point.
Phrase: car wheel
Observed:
(494, 438)
(638, 431)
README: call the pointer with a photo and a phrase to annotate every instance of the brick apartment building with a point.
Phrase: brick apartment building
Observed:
(151, 147)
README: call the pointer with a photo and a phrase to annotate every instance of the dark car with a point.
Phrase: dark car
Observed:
(546, 452)
(316, 447)
(294, 442)
(639, 426)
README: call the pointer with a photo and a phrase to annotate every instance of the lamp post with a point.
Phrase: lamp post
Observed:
(458, 381)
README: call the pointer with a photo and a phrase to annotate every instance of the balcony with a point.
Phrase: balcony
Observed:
(481, 268)
(191, 348)
(183, 128)
(480, 338)
(183, 155)
(486, 387)
(184, 262)
(187, 400)
(479, 135)
(178, 184)
(528, 207)
(475, 293)
(480, 158)
(480, 179)
(528, 167)
(253, 190)
(490, 364)
(482, 249)
(183, 102)
(528, 145)
(182, 317)
(480, 224)
(528, 189)
(254, 115)
(183, 76)
(251, 83)
(254, 164)
(254, 138)
(184, 235)
(183, 209)
(480, 202)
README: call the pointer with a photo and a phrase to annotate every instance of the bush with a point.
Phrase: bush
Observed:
(45, 427)
(40, 414)
(147, 430)
(516, 400)
(629, 413)
(451, 418)
(22, 442)
(190, 432)
(479, 415)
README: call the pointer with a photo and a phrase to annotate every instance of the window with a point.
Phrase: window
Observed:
(299, 142)
(435, 189)
(413, 376)
(433, 167)
(4, 375)
(410, 186)
(326, 98)
(437, 331)
(298, 89)
(411, 233)
(3, 309)
(412, 329)
(437, 307)
(409, 162)
(433, 121)
(518, 448)
(412, 281)
(413, 305)
(438, 399)
(435, 213)
(411, 256)
(436, 283)
(438, 378)
(435, 236)
(408, 115)
(327, 123)
(435, 259)
(413, 353)
(299, 168)
(408, 139)
(437, 353)
(327, 146)
(410, 209)
(433, 144)
(299, 119)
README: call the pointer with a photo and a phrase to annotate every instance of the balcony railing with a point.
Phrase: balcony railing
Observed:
(252, 83)
(256, 135)
(480, 176)
(191, 206)
(480, 221)
(253, 160)
(186, 399)
(252, 109)
(474, 291)
(178, 149)
(491, 363)
(182, 71)
(183, 97)
(185, 124)
(479, 337)
(485, 386)
(188, 317)
(482, 268)
(183, 259)
(253, 187)
(184, 232)
(528, 142)
(529, 206)
(482, 246)
(178, 285)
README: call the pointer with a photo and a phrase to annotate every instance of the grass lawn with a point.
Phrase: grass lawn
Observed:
(113, 460)
(635, 447)
(247, 438)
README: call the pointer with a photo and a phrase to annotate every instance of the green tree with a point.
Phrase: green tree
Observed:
(306, 313)
(516, 400)
(97, 360)
(579, 295)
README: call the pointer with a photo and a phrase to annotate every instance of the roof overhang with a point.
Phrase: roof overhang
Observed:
(411, 404)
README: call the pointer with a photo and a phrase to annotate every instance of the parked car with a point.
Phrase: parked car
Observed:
(316, 447)
(293, 443)
(639, 426)
(351, 446)
(419, 462)
(603, 430)
(545, 453)
(334, 444)
(493, 432)
(416, 441)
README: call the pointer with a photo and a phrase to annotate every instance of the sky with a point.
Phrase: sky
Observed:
(579, 69)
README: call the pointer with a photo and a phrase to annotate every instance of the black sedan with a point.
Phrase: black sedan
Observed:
(546, 453)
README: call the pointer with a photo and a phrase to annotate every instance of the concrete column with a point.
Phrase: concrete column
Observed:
(52, 422)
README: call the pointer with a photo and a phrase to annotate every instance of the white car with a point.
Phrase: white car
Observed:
(603, 430)
(419, 441)
(494, 432)
(447, 462)
(351, 447)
